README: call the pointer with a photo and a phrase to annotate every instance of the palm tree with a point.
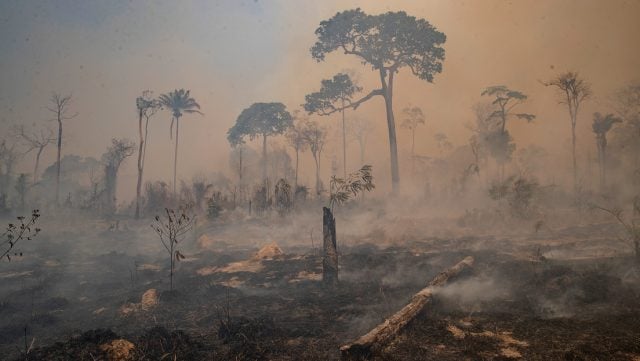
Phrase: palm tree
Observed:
(179, 102)
(601, 126)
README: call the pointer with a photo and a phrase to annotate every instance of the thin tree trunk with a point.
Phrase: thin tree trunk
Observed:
(175, 159)
(573, 153)
(316, 157)
(344, 143)
(413, 154)
(604, 164)
(140, 155)
(330, 255)
(35, 168)
(58, 159)
(393, 146)
(295, 187)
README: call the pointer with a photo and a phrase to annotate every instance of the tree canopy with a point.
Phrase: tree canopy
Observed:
(324, 102)
(387, 41)
(260, 119)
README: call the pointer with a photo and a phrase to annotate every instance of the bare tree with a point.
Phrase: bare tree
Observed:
(18, 232)
(37, 141)
(572, 91)
(60, 108)
(147, 107)
(171, 229)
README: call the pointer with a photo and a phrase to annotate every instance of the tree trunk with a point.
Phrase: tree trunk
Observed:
(413, 153)
(391, 124)
(604, 163)
(316, 158)
(140, 149)
(573, 152)
(35, 168)
(344, 143)
(295, 185)
(373, 341)
(330, 254)
(175, 159)
(58, 159)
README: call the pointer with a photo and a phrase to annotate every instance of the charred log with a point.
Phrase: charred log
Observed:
(373, 341)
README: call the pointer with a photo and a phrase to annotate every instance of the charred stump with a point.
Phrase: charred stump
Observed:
(330, 251)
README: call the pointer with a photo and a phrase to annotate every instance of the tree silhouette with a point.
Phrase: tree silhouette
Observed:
(296, 140)
(315, 136)
(60, 108)
(119, 150)
(260, 120)
(179, 102)
(504, 100)
(387, 42)
(360, 129)
(572, 91)
(334, 93)
(413, 118)
(601, 126)
(37, 141)
(146, 107)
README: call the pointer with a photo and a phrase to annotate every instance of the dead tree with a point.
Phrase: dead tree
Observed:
(60, 109)
(171, 229)
(373, 341)
(37, 141)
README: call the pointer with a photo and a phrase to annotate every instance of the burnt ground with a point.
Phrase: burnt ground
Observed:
(515, 304)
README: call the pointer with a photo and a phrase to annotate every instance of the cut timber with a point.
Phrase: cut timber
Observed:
(379, 336)
(330, 254)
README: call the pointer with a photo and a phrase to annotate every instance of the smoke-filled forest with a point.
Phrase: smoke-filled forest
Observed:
(319, 180)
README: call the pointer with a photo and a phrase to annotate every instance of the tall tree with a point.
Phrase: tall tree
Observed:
(334, 93)
(37, 141)
(387, 42)
(413, 118)
(146, 107)
(179, 102)
(504, 100)
(60, 108)
(296, 140)
(315, 136)
(572, 91)
(119, 150)
(601, 126)
(260, 120)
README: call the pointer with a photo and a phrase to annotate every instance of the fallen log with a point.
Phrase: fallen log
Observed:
(364, 346)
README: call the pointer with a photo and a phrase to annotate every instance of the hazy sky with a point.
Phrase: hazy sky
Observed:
(233, 53)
